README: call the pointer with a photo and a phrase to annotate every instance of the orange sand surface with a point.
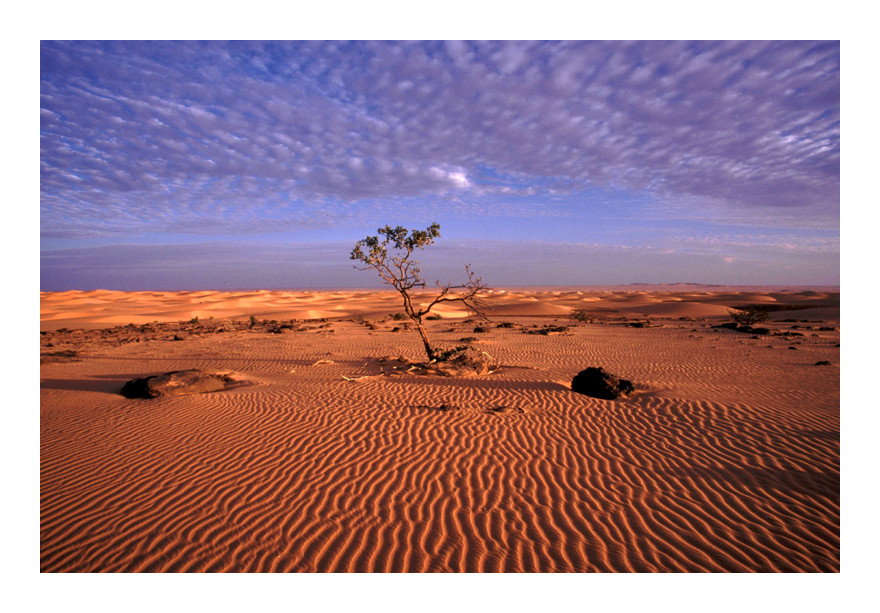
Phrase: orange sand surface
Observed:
(726, 458)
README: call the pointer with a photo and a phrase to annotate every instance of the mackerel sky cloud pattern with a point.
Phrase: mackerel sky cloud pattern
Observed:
(255, 138)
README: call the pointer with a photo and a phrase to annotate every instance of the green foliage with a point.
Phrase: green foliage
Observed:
(374, 253)
(749, 315)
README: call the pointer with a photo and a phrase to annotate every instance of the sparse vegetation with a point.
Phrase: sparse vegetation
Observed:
(547, 330)
(749, 315)
(391, 257)
(446, 354)
(581, 316)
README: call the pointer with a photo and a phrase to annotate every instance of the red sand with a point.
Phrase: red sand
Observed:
(725, 459)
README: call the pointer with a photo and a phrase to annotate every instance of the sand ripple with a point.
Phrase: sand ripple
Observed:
(727, 458)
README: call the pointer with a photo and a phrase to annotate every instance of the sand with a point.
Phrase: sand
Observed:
(726, 458)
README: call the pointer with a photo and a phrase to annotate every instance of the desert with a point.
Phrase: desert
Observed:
(332, 452)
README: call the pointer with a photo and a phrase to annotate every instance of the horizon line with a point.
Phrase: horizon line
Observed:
(505, 288)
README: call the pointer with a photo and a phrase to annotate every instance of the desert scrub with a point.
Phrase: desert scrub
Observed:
(581, 316)
(749, 315)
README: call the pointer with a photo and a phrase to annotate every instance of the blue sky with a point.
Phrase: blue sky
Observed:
(216, 165)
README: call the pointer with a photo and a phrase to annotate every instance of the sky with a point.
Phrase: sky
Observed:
(258, 165)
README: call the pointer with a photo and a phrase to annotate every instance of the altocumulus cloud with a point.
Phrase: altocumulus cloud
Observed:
(263, 137)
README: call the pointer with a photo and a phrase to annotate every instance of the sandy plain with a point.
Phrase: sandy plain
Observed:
(324, 458)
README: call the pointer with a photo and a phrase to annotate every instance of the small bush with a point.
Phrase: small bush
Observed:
(433, 317)
(194, 320)
(581, 316)
(398, 316)
(749, 315)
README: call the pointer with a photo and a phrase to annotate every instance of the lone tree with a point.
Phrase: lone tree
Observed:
(391, 257)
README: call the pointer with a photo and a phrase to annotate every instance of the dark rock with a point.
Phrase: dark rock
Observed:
(548, 330)
(286, 328)
(597, 383)
(174, 383)
(480, 330)
(730, 325)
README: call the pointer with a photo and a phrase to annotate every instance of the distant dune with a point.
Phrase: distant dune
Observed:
(325, 458)
(102, 308)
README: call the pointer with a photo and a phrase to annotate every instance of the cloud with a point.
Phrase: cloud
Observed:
(140, 136)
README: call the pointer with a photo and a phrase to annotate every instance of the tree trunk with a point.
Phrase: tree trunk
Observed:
(424, 336)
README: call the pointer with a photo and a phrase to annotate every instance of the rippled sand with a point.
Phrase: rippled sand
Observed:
(725, 459)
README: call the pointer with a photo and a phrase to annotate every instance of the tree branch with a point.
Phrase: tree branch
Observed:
(403, 274)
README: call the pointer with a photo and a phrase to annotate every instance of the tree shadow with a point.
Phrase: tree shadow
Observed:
(107, 384)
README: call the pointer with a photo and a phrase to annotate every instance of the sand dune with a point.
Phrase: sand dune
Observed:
(100, 308)
(725, 459)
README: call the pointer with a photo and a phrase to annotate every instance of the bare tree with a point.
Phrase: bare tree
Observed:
(391, 257)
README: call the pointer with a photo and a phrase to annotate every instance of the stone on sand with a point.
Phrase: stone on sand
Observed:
(597, 383)
(174, 383)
